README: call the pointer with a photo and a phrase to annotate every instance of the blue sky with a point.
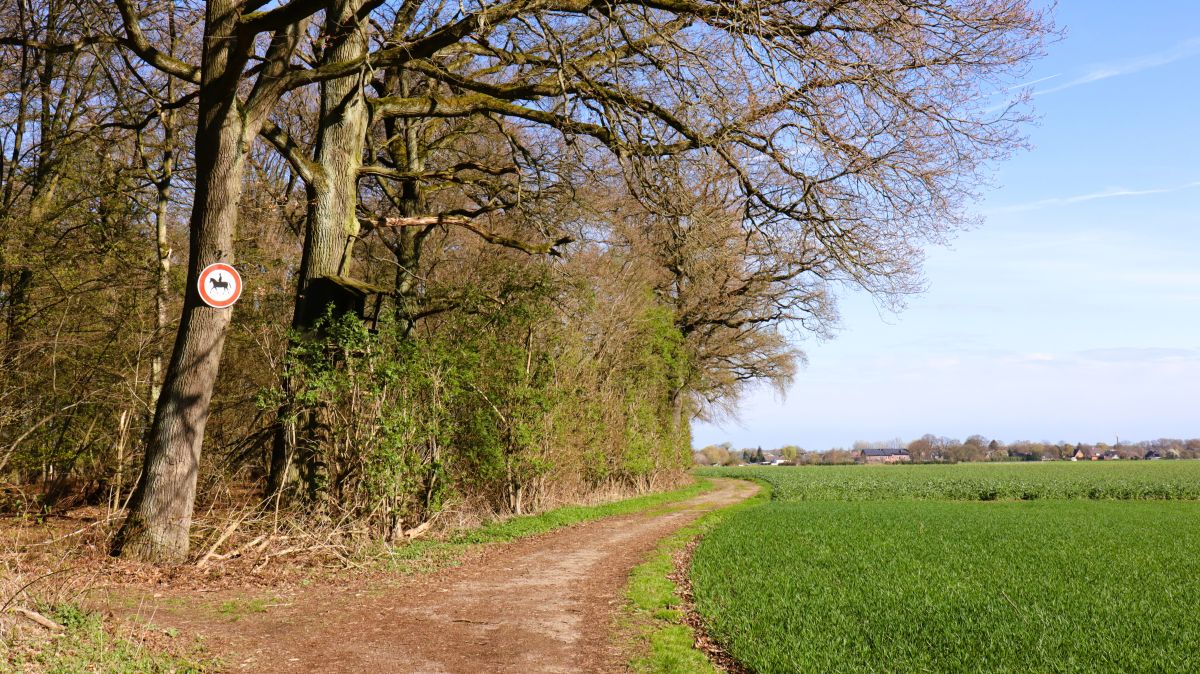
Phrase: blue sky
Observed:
(1073, 312)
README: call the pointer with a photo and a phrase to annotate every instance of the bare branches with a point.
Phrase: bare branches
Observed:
(282, 17)
(545, 248)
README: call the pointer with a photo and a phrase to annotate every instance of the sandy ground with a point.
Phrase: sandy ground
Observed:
(543, 604)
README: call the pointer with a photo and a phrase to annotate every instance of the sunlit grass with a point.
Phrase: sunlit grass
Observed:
(1079, 586)
(969, 568)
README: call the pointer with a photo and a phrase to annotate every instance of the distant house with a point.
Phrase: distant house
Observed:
(1153, 455)
(1081, 454)
(884, 456)
(1110, 455)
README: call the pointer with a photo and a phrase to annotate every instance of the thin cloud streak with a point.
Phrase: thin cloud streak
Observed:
(1181, 51)
(1111, 193)
(1033, 82)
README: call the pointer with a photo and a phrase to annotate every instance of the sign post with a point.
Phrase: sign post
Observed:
(220, 285)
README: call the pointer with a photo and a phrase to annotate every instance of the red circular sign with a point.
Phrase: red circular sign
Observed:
(220, 285)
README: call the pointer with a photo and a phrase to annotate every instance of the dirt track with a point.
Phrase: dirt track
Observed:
(543, 604)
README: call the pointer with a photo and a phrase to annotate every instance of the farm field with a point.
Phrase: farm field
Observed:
(881, 575)
(979, 481)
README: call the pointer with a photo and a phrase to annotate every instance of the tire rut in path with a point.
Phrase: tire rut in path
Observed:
(543, 604)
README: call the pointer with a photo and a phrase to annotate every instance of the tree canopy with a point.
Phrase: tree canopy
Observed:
(629, 209)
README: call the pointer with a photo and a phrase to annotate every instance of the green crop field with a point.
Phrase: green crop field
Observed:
(980, 481)
(904, 569)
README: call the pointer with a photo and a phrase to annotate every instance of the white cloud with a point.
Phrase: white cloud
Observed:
(1183, 50)
(1033, 82)
(1100, 72)
(1110, 193)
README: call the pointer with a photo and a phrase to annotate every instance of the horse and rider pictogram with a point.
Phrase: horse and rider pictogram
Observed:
(219, 285)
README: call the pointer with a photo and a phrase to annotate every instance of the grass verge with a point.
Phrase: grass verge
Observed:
(85, 644)
(663, 642)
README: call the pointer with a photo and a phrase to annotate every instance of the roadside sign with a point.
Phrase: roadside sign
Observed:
(220, 285)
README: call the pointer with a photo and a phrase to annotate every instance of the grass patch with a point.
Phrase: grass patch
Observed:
(87, 646)
(664, 644)
(236, 609)
(531, 525)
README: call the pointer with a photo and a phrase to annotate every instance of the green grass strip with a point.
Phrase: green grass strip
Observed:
(664, 644)
(424, 556)
(531, 525)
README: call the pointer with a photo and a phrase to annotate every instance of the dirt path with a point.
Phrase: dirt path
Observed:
(543, 604)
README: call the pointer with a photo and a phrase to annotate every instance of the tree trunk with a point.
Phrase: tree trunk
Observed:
(161, 511)
(162, 289)
(160, 514)
(18, 307)
(405, 148)
(331, 226)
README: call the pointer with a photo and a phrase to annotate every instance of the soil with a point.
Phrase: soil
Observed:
(549, 603)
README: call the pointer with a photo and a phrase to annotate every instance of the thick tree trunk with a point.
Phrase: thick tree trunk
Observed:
(160, 514)
(331, 226)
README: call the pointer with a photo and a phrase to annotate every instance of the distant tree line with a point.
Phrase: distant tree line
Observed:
(931, 448)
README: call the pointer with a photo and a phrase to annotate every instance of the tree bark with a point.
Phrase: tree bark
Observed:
(160, 515)
(406, 151)
(331, 225)
(162, 286)
(162, 289)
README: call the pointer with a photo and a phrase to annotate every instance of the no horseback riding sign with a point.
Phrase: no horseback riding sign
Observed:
(220, 285)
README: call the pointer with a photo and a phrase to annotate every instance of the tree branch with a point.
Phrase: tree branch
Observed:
(547, 248)
(137, 42)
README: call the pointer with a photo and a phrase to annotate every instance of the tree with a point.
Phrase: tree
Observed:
(715, 455)
(852, 134)
(976, 441)
(160, 512)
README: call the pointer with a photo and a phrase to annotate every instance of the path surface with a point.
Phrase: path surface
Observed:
(543, 604)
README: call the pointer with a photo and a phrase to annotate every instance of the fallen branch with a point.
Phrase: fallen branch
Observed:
(39, 619)
(78, 531)
(263, 540)
(418, 530)
(212, 551)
